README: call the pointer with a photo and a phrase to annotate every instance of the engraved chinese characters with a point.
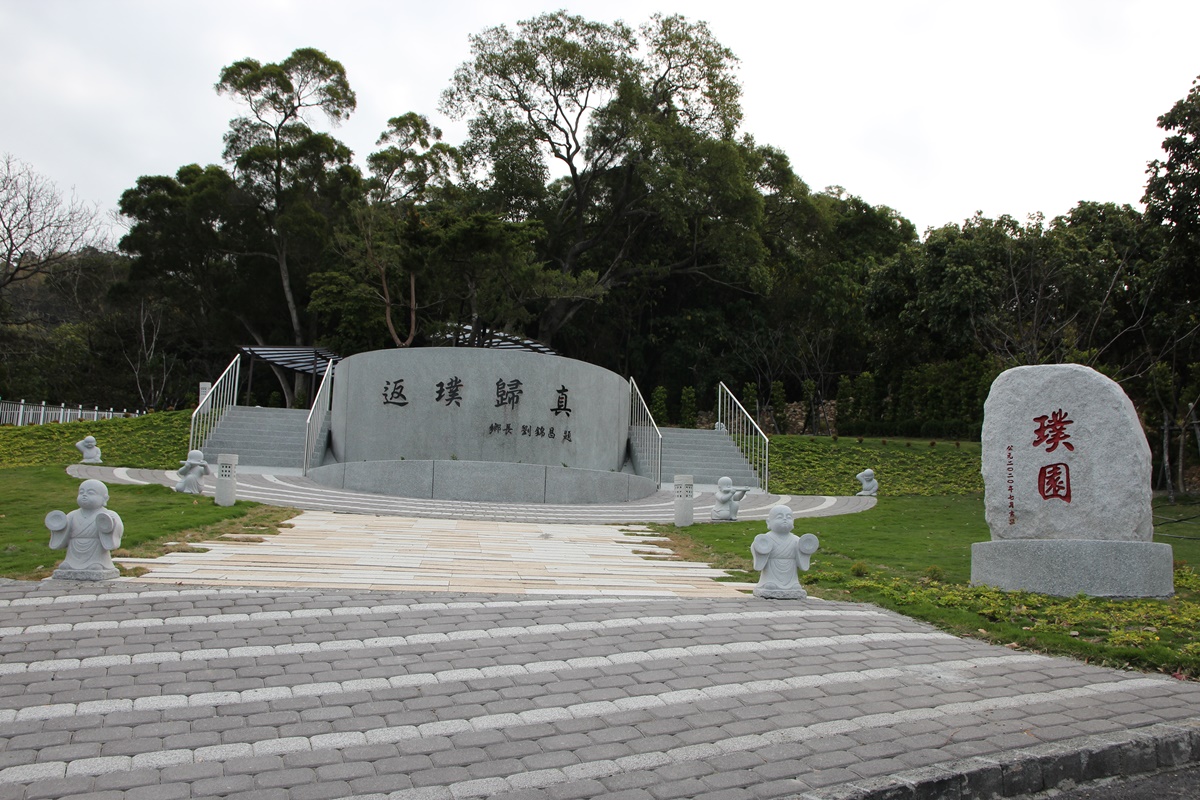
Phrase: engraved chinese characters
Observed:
(1066, 474)
(435, 422)
(451, 392)
(1064, 457)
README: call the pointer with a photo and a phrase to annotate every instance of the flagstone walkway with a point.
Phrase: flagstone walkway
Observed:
(357, 551)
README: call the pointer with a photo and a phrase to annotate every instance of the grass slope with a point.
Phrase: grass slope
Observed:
(155, 441)
(820, 465)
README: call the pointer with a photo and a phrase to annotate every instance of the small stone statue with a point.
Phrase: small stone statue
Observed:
(727, 499)
(192, 472)
(870, 486)
(88, 534)
(778, 554)
(87, 447)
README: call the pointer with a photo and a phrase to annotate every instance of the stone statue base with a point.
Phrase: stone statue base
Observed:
(780, 594)
(1067, 567)
(99, 574)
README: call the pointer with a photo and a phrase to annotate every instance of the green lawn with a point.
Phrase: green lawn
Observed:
(153, 516)
(913, 555)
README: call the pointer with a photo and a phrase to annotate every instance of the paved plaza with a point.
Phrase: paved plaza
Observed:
(546, 660)
(124, 690)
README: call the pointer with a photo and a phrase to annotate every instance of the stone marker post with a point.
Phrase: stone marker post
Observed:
(226, 491)
(1066, 478)
(683, 500)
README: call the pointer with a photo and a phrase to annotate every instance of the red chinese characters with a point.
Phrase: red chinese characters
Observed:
(1054, 482)
(1052, 431)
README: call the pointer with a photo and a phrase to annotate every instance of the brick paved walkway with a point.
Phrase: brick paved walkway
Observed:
(122, 690)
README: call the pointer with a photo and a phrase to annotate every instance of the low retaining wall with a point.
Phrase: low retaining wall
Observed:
(485, 481)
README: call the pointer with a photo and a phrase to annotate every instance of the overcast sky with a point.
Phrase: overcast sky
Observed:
(937, 109)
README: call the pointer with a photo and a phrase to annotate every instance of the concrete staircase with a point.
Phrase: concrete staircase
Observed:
(261, 437)
(705, 455)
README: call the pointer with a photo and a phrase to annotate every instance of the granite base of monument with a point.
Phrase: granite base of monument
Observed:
(1067, 567)
(485, 481)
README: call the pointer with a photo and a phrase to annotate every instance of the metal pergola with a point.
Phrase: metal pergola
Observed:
(307, 360)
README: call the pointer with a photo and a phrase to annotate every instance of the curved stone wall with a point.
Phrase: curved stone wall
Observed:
(541, 417)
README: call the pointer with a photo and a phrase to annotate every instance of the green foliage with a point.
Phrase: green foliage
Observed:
(153, 441)
(687, 407)
(658, 405)
(779, 406)
(749, 399)
(808, 465)
(859, 569)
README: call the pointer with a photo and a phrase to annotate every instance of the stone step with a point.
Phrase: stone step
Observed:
(706, 455)
(262, 437)
(227, 438)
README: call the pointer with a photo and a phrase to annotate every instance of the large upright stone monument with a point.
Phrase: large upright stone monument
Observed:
(466, 423)
(1066, 476)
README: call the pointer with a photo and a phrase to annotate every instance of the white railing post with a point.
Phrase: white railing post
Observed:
(749, 438)
(42, 420)
(21, 413)
(644, 435)
(221, 396)
(316, 415)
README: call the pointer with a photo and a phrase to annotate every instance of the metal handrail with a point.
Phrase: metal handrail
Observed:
(221, 396)
(323, 401)
(750, 439)
(644, 434)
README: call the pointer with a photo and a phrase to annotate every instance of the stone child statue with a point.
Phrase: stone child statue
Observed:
(870, 486)
(87, 448)
(778, 554)
(727, 499)
(191, 473)
(89, 533)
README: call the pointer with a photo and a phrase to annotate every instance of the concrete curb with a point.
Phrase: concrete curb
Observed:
(1020, 773)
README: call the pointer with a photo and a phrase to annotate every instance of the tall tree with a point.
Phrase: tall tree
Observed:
(384, 232)
(603, 105)
(278, 159)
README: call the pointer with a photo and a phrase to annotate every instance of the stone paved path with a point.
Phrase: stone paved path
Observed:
(300, 492)
(143, 692)
(358, 551)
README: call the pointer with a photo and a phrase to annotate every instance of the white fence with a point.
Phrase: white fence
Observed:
(13, 412)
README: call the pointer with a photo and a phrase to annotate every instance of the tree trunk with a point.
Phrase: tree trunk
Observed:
(1166, 451)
